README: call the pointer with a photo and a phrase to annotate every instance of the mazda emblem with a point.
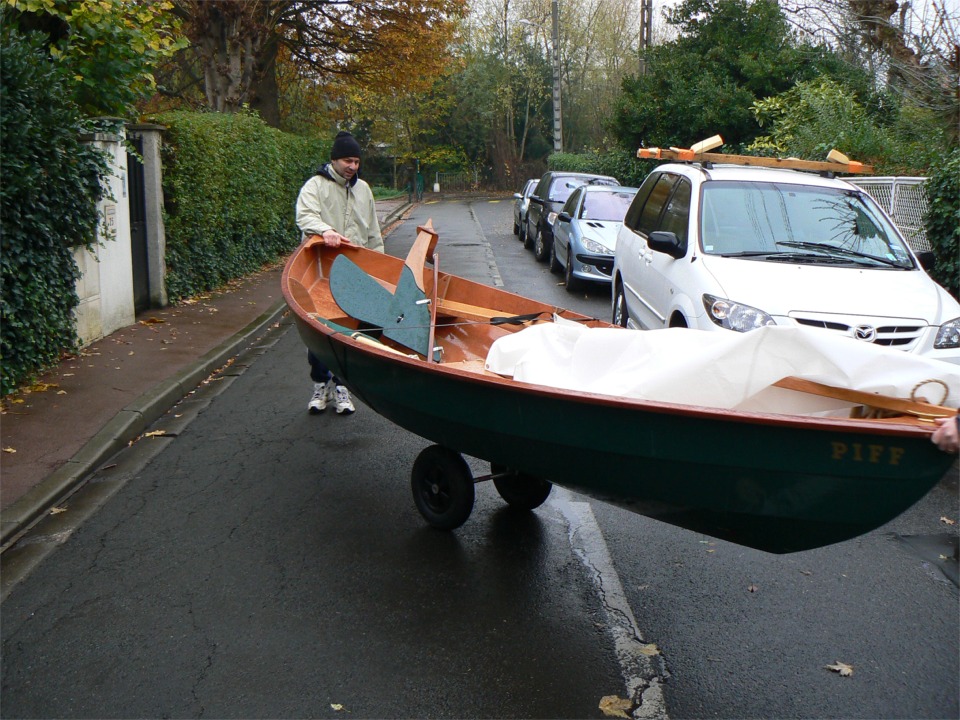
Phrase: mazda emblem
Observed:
(867, 333)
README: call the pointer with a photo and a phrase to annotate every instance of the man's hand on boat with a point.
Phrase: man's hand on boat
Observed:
(947, 435)
(330, 238)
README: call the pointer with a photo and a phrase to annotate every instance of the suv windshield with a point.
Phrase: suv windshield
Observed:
(791, 222)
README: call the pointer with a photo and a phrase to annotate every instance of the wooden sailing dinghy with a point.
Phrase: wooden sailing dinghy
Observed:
(411, 342)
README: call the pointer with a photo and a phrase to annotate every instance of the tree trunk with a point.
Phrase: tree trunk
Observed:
(265, 96)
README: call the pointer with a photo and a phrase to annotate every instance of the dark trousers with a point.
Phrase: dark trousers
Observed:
(319, 372)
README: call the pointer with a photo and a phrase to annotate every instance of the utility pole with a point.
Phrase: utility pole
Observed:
(557, 115)
(646, 31)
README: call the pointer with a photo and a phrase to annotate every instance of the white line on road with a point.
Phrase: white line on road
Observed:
(643, 681)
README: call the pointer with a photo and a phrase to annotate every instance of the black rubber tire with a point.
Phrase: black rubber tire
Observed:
(540, 249)
(519, 490)
(516, 228)
(621, 316)
(442, 487)
(555, 266)
(527, 240)
(573, 283)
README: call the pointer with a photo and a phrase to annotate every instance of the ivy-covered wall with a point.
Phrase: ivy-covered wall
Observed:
(230, 183)
(943, 220)
(48, 204)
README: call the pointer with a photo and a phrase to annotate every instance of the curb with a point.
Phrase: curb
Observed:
(130, 422)
(125, 426)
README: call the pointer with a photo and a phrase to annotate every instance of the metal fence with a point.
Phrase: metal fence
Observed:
(458, 181)
(905, 200)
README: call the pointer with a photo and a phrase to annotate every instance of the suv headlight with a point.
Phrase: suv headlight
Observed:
(948, 336)
(735, 316)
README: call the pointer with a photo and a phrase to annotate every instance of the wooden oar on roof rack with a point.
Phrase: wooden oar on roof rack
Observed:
(836, 162)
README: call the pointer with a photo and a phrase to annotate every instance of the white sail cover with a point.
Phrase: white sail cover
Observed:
(719, 369)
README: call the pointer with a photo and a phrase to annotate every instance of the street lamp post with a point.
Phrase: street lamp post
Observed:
(555, 62)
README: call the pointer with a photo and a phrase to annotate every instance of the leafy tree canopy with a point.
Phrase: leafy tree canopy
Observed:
(728, 54)
(106, 48)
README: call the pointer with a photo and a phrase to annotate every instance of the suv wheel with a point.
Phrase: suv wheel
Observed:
(620, 314)
(540, 249)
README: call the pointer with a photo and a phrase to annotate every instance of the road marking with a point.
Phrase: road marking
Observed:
(640, 674)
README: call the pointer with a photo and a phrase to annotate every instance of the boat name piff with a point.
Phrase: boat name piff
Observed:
(875, 454)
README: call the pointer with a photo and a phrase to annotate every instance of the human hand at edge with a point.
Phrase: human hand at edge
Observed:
(947, 435)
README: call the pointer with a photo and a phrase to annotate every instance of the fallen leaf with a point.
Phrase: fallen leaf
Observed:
(9, 450)
(944, 557)
(155, 433)
(130, 353)
(61, 392)
(650, 650)
(806, 572)
(57, 510)
(613, 706)
(152, 321)
(842, 668)
(336, 706)
(752, 588)
(947, 521)
(42, 387)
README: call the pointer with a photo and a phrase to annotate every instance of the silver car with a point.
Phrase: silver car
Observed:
(585, 233)
(520, 205)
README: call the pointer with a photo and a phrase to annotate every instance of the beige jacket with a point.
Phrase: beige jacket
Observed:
(327, 201)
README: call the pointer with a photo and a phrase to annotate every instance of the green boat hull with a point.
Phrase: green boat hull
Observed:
(778, 484)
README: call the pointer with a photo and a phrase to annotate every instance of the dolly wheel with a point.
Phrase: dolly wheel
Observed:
(521, 491)
(442, 487)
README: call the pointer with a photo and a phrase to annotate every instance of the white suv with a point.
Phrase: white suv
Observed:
(738, 247)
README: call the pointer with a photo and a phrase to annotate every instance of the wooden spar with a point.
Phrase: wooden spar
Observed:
(838, 165)
(915, 408)
(433, 308)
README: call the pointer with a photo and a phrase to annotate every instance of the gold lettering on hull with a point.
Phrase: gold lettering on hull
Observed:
(873, 454)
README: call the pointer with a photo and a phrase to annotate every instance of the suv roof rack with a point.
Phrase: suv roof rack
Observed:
(836, 162)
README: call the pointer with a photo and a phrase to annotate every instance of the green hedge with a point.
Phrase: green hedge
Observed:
(621, 164)
(943, 220)
(230, 183)
(48, 204)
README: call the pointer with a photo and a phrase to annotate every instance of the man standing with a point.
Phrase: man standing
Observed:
(335, 206)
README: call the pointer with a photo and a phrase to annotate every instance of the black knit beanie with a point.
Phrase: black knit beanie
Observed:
(344, 145)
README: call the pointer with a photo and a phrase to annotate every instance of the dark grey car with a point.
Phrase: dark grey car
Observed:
(546, 202)
(520, 205)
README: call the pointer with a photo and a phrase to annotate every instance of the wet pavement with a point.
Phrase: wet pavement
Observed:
(78, 414)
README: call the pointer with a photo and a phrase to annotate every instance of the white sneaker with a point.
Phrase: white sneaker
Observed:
(318, 403)
(342, 399)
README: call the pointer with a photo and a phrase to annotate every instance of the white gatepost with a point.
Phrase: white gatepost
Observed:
(105, 287)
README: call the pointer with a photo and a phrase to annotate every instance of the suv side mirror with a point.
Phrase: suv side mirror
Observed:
(666, 242)
(927, 259)
(565, 217)
(536, 199)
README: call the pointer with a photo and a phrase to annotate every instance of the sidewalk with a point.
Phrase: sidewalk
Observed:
(86, 409)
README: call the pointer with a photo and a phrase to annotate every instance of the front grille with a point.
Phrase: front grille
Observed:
(903, 335)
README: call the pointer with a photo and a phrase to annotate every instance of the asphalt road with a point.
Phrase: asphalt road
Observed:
(262, 562)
